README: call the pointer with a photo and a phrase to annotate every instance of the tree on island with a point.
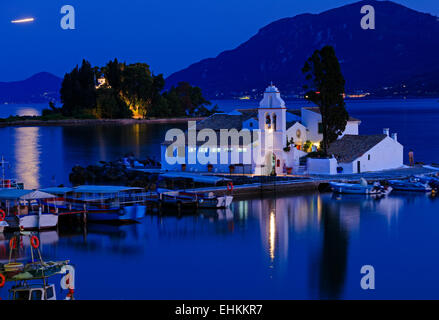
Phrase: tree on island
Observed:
(326, 89)
(189, 101)
(78, 90)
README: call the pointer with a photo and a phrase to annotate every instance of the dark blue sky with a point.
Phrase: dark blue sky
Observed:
(167, 34)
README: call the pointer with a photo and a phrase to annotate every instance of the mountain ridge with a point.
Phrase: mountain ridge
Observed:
(402, 46)
(38, 88)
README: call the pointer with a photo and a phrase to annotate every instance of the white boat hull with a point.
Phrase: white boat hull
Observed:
(351, 188)
(33, 221)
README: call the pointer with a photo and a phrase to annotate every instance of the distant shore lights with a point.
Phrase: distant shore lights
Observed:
(25, 20)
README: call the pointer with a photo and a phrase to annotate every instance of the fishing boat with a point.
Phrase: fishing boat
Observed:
(410, 185)
(360, 188)
(8, 183)
(26, 209)
(31, 278)
(108, 203)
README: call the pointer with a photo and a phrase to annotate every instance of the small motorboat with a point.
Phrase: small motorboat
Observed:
(410, 185)
(360, 188)
(211, 201)
(433, 182)
(178, 199)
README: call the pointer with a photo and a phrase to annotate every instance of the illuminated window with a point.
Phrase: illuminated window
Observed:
(267, 121)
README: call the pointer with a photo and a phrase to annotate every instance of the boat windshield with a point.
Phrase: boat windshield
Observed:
(36, 295)
(21, 295)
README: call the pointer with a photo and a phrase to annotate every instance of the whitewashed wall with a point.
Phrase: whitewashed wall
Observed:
(388, 154)
(351, 128)
(311, 121)
(292, 133)
(322, 166)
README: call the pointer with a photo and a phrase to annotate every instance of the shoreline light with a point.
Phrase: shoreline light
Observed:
(23, 20)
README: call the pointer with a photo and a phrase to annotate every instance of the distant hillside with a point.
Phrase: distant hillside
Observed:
(41, 87)
(401, 51)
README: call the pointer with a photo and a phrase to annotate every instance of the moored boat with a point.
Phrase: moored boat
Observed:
(108, 203)
(433, 182)
(178, 199)
(410, 185)
(360, 188)
(8, 183)
(25, 209)
(31, 277)
(210, 201)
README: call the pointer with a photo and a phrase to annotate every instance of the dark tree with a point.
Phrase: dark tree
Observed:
(113, 74)
(78, 90)
(187, 100)
(326, 89)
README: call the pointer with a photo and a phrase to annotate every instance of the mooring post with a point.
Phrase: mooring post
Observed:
(84, 215)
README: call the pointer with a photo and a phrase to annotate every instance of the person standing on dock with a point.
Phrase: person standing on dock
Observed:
(411, 158)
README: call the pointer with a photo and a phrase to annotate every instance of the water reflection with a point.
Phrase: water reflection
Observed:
(333, 256)
(27, 155)
(299, 246)
(44, 156)
(272, 235)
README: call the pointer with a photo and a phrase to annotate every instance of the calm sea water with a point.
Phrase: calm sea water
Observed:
(299, 246)
(42, 156)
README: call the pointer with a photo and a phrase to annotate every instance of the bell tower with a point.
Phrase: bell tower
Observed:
(272, 123)
(272, 115)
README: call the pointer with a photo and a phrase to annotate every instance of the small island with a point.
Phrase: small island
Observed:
(119, 93)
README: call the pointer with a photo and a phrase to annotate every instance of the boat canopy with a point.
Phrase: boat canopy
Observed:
(195, 177)
(17, 194)
(103, 189)
(57, 190)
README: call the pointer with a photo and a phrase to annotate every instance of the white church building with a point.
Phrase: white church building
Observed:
(280, 141)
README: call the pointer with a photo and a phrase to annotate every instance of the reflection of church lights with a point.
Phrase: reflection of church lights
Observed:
(27, 156)
(272, 234)
(319, 208)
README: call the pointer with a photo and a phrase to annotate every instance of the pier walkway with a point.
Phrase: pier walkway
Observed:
(303, 183)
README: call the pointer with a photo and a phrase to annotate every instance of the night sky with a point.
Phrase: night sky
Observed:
(166, 34)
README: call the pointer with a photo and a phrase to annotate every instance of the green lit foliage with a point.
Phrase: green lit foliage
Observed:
(128, 91)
